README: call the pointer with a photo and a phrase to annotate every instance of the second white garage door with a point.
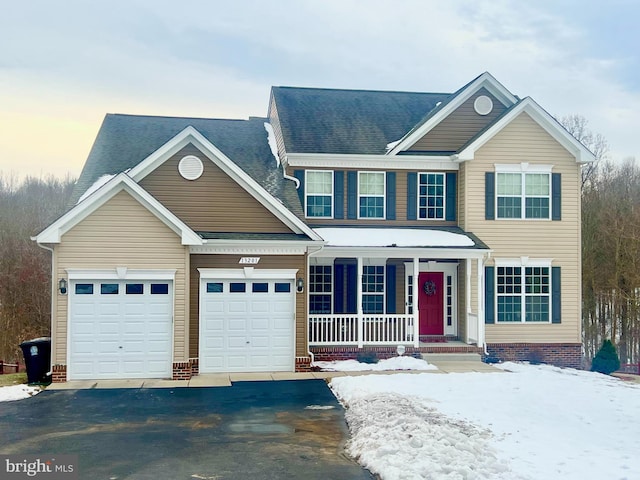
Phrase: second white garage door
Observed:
(246, 325)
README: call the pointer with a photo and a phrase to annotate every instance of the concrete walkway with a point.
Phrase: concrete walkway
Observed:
(226, 379)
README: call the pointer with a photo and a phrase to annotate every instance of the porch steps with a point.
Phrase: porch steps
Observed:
(436, 358)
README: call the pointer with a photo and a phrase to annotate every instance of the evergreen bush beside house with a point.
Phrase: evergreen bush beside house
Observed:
(606, 360)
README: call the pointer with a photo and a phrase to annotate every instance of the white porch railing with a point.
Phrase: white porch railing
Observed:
(472, 328)
(343, 329)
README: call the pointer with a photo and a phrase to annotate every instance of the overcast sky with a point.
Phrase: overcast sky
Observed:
(64, 65)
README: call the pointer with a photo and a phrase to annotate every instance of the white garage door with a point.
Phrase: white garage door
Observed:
(120, 329)
(246, 325)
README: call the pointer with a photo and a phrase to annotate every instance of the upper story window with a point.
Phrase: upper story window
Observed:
(431, 196)
(371, 199)
(319, 193)
(529, 189)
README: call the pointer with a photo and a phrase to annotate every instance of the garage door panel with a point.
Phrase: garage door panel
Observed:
(258, 315)
(126, 336)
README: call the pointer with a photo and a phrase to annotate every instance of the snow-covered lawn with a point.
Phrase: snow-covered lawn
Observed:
(533, 422)
(393, 363)
(17, 392)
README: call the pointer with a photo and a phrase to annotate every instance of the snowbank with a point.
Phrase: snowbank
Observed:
(532, 422)
(17, 392)
(393, 363)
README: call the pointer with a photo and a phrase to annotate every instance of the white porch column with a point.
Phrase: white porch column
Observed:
(416, 313)
(468, 297)
(359, 304)
(480, 303)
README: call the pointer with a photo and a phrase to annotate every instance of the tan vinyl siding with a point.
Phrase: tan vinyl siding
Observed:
(523, 140)
(231, 261)
(212, 203)
(461, 213)
(401, 207)
(461, 125)
(121, 233)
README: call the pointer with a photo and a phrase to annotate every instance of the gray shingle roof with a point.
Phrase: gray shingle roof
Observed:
(316, 120)
(125, 140)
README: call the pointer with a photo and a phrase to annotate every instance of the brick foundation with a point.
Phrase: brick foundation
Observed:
(328, 354)
(58, 373)
(559, 354)
(303, 364)
(182, 371)
(195, 366)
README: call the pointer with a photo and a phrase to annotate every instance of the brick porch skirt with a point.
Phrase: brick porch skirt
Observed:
(328, 354)
(559, 354)
(58, 373)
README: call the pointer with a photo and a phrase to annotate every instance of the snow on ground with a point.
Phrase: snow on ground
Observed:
(394, 363)
(533, 422)
(17, 392)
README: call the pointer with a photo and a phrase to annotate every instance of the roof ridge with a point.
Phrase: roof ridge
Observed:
(174, 117)
(289, 87)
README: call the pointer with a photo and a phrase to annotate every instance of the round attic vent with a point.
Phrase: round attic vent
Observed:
(483, 105)
(190, 167)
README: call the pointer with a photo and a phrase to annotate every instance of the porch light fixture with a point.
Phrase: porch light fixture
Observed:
(62, 286)
(400, 350)
(300, 285)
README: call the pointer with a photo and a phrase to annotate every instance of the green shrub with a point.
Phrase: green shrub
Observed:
(367, 357)
(606, 360)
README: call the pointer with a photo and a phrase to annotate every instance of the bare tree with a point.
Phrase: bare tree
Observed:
(577, 125)
(26, 208)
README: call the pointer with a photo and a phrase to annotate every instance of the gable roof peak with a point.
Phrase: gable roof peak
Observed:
(440, 112)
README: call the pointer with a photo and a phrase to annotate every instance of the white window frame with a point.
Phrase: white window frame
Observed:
(383, 196)
(307, 194)
(444, 196)
(331, 282)
(523, 263)
(523, 169)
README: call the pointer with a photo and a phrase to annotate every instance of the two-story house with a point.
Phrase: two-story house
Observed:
(347, 221)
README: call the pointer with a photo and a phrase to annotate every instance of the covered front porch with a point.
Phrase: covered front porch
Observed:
(396, 288)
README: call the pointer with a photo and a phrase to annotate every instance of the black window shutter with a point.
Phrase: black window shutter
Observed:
(352, 285)
(391, 195)
(412, 195)
(489, 195)
(299, 174)
(556, 303)
(338, 195)
(556, 196)
(338, 287)
(489, 295)
(352, 195)
(450, 205)
(391, 288)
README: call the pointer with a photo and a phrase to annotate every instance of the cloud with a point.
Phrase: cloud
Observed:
(78, 60)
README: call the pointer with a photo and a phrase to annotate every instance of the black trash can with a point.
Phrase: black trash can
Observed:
(37, 358)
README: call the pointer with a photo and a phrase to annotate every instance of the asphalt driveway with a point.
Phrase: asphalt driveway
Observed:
(252, 430)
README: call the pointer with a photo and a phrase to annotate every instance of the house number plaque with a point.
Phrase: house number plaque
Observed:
(249, 260)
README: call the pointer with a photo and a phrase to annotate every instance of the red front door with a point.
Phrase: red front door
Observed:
(430, 303)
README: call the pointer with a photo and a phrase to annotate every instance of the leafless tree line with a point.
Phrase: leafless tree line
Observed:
(26, 207)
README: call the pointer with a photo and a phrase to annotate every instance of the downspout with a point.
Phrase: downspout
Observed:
(485, 257)
(53, 293)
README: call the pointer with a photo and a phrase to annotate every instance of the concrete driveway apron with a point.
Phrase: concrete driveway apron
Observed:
(252, 430)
